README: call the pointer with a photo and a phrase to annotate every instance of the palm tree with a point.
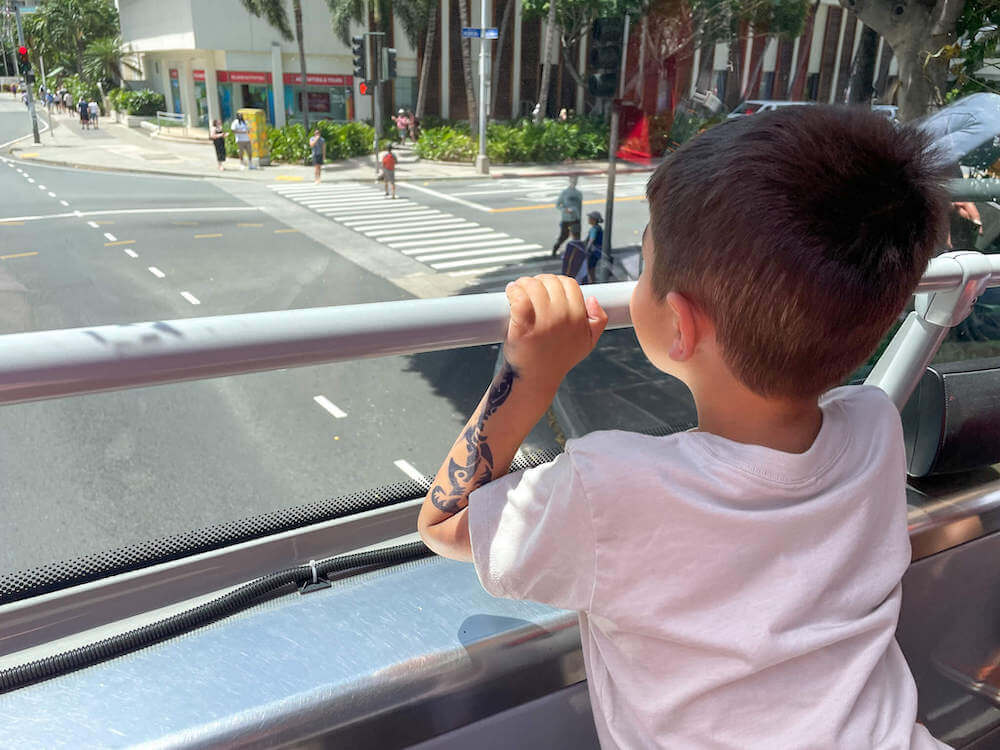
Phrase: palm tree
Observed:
(103, 60)
(550, 35)
(418, 18)
(273, 11)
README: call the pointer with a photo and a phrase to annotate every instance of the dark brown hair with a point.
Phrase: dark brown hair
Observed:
(800, 233)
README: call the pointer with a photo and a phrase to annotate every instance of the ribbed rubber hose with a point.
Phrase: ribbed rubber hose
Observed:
(196, 617)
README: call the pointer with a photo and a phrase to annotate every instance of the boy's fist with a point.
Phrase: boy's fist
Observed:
(551, 327)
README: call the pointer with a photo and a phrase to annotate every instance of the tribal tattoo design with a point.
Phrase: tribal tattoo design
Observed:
(478, 467)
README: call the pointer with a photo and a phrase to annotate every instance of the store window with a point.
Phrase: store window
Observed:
(406, 93)
(322, 102)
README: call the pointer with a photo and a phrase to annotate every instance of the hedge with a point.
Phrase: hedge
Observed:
(291, 143)
(144, 102)
(521, 141)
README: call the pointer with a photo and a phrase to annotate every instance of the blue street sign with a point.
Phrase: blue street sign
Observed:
(471, 32)
(491, 33)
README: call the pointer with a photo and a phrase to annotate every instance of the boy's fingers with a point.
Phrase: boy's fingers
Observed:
(536, 293)
(522, 314)
(574, 297)
(556, 293)
(597, 318)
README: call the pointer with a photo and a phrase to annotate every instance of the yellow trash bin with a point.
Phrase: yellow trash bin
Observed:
(258, 134)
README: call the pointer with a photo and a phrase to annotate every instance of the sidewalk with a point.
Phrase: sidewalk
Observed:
(114, 147)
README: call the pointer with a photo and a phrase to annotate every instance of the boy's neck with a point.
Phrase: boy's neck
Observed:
(732, 411)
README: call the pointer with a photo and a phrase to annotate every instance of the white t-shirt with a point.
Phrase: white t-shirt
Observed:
(242, 131)
(730, 595)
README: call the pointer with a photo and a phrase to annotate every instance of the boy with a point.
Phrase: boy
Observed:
(241, 131)
(389, 171)
(318, 145)
(738, 584)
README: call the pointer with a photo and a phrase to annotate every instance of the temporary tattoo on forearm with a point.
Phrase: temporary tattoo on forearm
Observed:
(477, 468)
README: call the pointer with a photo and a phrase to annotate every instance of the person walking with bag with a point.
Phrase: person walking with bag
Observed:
(389, 171)
(243, 145)
(218, 136)
(570, 205)
(318, 145)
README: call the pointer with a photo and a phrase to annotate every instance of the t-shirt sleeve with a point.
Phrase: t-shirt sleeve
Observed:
(532, 536)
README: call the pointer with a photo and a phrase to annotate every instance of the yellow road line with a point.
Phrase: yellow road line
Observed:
(103, 223)
(17, 255)
(185, 223)
(119, 242)
(11, 223)
(553, 205)
(206, 236)
(244, 224)
(29, 155)
(288, 178)
(284, 231)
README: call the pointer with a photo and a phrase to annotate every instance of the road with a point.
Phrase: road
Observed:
(87, 474)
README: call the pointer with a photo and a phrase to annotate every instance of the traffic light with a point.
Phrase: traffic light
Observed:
(605, 57)
(390, 63)
(360, 63)
(23, 61)
(365, 88)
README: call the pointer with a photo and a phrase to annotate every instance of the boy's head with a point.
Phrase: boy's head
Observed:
(796, 236)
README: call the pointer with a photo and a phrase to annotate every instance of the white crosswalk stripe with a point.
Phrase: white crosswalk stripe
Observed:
(436, 238)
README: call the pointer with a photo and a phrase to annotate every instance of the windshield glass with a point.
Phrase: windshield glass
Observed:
(168, 160)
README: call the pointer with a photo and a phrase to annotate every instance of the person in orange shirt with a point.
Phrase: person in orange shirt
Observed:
(389, 171)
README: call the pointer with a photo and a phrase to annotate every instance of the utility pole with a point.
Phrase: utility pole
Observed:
(609, 206)
(27, 86)
(48, 106)
(482, 160)
(376, 48)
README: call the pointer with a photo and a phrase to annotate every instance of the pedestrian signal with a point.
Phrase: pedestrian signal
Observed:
(360, 63)
(390, 63)
(605, 57)
(23, 61)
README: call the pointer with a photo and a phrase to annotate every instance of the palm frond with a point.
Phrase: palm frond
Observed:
(272, 11)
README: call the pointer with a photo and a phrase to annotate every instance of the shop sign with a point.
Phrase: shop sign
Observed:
(173, 73)
(319, 79)
(242, 76)
(199, 75)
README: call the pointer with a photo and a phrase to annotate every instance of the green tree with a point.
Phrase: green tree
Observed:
(273, 11)
(62, 29)
(103, 60)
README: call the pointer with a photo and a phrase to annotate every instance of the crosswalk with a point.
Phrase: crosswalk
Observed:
(442, 241)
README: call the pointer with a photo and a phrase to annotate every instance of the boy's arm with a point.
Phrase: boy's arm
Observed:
(551, 329)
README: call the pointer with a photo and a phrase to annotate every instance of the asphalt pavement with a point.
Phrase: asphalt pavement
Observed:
(87, 474)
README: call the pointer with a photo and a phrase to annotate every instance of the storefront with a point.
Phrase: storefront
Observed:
(200, 96)
(248, 89)
(325, 97)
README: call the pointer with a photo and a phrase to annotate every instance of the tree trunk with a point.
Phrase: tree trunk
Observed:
(470, 96)
(550, 35)
(297, 10)
(917, 35)
(425, 68)
(753, 83)
(495, 84)
(559, 85)
(860, 87)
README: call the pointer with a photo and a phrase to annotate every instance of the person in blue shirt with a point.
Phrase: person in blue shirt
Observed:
(595, 242)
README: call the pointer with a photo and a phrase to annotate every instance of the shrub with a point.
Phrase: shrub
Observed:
(291, 143)
(80, 89)
(146, 102)
(445, 144)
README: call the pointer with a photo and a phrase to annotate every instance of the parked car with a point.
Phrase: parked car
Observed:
(753, 106)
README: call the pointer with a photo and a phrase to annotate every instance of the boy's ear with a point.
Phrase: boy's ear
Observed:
(684, 329)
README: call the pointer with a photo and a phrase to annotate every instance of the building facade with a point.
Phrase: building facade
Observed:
(210, 57)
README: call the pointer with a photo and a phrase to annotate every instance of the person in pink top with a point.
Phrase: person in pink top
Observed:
(738, 585)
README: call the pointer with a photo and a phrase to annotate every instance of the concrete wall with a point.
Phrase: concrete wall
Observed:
(150, 25)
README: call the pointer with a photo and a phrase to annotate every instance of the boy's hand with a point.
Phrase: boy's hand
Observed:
(551, 328)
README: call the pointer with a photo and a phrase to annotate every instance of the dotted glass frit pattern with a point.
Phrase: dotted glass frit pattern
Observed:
(24, 584)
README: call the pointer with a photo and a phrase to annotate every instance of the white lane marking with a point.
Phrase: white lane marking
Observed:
(63, 202)
(42, 187)
(502, 258)
(433, 225)
(394, 217)
(92, 224)
(445, 229)
(42, 129)
(312, 189)
(338, 214)
(30, 179)
(130, 252)
(158, 273)
(445, 196)
(472, 253)
(463, 246)
(480, 234)
(407, 468)
(477, 272)
(362, 205)
(110, 237)
(336, 411)
(190, 298)
(113, 212)
(51, 194)
(351, 195)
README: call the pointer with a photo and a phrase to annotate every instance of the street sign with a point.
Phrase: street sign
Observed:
(473, 32)
(491, 33)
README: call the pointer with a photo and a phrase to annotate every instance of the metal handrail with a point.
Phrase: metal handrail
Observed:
(75, 361)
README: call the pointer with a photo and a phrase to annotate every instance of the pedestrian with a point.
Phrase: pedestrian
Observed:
(84, 114)
(68, 103)
(570, 205)
(414, 128)
(241, 130)
(94, 111)
(595, 243)
(402, 125)
(389, 171)
(563, 115)
(318, 145)
(218, 136)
